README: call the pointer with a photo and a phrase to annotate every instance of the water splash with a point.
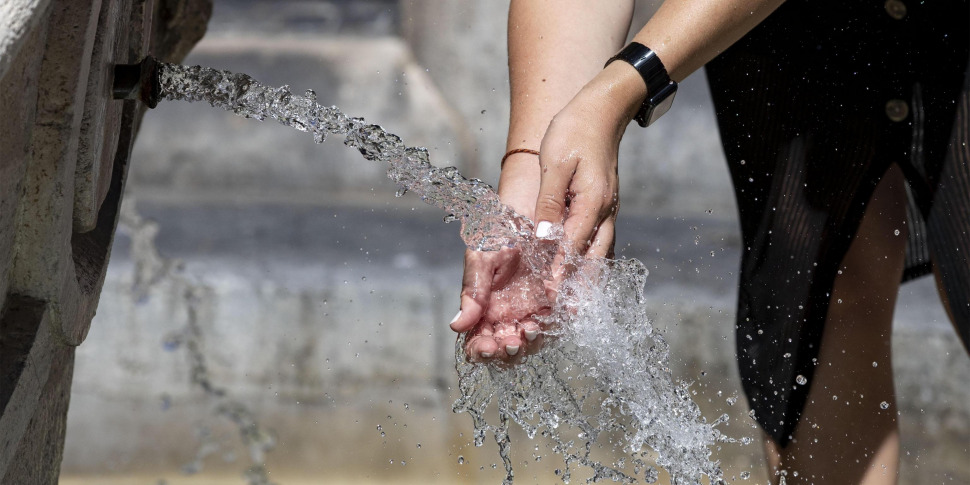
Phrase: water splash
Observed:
(602, 378)
(151, 269)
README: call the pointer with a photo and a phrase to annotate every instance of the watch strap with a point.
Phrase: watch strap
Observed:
(660, 88)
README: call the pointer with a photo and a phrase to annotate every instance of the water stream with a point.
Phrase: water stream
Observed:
(150, 270)
(602, 380)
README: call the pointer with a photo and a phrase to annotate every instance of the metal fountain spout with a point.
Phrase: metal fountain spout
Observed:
(138, 81)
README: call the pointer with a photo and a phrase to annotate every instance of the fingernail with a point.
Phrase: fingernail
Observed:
(457, 315)
(511, 349)
(485, 355)
(531, 335)
(543, 229)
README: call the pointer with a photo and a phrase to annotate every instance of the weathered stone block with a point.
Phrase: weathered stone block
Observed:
(51, 109)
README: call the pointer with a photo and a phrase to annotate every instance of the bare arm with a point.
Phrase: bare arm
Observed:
(686, 34)
(574, 111)
(581, 141)
(555, 48)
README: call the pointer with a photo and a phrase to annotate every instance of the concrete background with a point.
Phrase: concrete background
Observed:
(326, 299)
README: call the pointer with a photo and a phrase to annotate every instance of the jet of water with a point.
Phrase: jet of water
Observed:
(603, 374)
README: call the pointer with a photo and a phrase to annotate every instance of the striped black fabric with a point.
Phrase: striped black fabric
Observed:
(813, 106)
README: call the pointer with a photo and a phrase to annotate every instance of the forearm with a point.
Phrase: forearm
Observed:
(555, 48)
(686, 34)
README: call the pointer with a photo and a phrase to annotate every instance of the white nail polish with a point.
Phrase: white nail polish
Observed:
(531, 335)
(543, 229)
(457, 315)
(511, 349)
(485, 355)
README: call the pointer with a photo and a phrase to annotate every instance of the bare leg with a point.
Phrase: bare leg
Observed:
(844, 435)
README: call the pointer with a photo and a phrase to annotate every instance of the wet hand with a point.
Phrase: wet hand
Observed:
(578, 159)
(500, 298)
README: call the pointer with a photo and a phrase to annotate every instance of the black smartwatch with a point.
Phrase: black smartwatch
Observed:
(660, 88)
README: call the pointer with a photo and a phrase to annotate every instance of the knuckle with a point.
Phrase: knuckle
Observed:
(605, 212)
(550, 204)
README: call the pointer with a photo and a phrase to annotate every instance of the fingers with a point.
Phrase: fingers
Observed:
(603, 240)
(556, 173)
(503, 342)
(481, 347)
(594, 200)
(589, 232)
(476, 289)
(530, 331)
(484, 271)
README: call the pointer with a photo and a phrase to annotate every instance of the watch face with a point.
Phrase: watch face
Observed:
(657, 105)
(661, 108)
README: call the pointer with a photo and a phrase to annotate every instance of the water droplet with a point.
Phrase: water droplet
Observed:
(461, 460)
(172, 342)
(875, 364)
(896, 232)
(801, 380)
(745, 475)
(884, 405)
(488, 225)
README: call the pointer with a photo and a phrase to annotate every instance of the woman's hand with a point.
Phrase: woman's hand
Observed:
(578, 159)
(500, 296)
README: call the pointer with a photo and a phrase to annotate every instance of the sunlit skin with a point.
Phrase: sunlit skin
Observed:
(500, 297)
(574, 111)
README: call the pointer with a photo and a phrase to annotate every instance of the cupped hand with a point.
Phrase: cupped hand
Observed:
(500, 298)
(501, 295)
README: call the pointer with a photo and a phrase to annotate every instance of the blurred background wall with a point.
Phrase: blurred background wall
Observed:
(320, 301)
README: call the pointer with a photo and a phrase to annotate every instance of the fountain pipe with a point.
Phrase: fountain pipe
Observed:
(138, 81)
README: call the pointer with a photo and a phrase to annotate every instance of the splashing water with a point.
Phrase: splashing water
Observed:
(151, 268)
(602, 378)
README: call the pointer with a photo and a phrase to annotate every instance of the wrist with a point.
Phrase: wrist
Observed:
(660, 88)
(618, 91)
(518, 185)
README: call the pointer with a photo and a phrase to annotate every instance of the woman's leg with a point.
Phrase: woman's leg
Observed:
(847, 433)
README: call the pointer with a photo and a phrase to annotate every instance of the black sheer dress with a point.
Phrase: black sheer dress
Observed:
(813, 107)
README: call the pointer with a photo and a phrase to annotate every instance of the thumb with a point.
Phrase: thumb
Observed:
(551, 203)
(476, 289)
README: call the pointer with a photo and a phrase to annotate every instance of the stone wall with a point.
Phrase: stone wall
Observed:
(64, 149)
